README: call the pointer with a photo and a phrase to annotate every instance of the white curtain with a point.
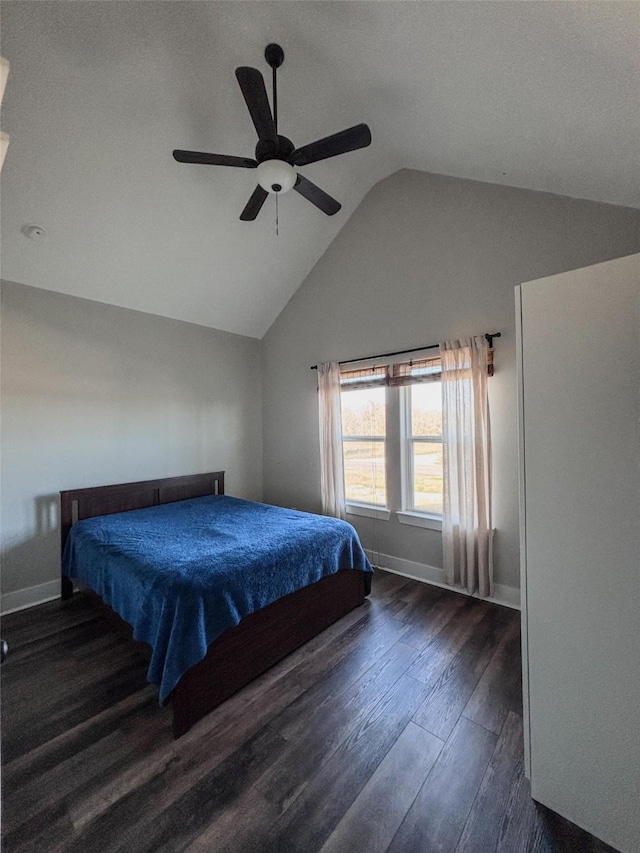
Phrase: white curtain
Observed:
(331, 469)
(467, 532)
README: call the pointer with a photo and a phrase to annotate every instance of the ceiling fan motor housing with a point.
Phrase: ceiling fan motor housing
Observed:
(268, 150)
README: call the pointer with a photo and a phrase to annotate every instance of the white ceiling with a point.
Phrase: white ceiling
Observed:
(544, 95)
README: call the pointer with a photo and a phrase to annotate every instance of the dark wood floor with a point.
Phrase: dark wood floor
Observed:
(398, 729)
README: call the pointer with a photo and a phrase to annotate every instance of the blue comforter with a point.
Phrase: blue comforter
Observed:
(182, 573)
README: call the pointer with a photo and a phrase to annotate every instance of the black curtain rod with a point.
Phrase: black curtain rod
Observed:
(489, 338)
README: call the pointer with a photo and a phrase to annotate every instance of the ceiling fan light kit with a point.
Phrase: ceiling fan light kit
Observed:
(276, 176)
(276, 157)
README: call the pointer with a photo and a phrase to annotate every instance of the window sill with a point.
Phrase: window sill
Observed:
(419, 519)
(368, 511)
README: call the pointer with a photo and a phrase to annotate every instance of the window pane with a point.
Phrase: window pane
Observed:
(364, 474)
(426, 409)
(363, 412)
(427, 477)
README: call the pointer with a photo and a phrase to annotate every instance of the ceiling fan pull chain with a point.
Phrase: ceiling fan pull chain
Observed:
(276, 214)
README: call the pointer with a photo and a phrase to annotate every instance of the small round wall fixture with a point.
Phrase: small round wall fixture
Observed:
(34, 232)
(276, 176)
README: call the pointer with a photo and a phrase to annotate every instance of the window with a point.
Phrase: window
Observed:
(422, 447)
(364, 442)
(392, 439)
(406, 398)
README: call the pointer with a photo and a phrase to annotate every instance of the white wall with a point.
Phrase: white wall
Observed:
(424, 258)
(93, 394)
(581, 451)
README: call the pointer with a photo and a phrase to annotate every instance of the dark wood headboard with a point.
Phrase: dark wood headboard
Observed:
(77, 504)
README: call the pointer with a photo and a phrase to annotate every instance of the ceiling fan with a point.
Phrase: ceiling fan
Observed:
(276, 157)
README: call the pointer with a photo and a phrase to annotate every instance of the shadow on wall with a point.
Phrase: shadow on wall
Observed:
(38, 556)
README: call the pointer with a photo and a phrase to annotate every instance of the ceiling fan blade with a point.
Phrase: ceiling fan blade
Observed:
(317, 196)
(252, 208)
(255, 94)
(339, 143)
(213, 159)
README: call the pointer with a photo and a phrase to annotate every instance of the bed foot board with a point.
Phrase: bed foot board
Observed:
(260, 641)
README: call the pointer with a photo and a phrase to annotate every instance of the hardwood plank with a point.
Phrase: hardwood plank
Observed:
(62, 676)
(83, 784)
(142, 756)
(311, 818)
(34, 624)
(42, 792)
(424, 630)
(415, 602)
(49, 831)
(418, 597)
(234, 829)
(327, 728)
(53, 719)
(375, 815)
(387, 585)
(441, 650)
(187, 814)
(500, 688)
(97, 777)
(365, 659)
(489, 815)
(391, 604)
(59, 749)
(440, 711)
(439, 812)
(25, 658)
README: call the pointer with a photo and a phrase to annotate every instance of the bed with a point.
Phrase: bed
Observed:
(217, 588)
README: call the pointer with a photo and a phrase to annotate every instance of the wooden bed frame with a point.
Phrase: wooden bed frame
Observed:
(260, 640)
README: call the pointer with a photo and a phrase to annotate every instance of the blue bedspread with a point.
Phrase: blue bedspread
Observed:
(182, 573)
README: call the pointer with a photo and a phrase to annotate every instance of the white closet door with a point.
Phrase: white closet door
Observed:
(580, 467)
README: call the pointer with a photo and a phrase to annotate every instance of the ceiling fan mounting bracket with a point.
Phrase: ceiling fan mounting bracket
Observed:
(274, 55)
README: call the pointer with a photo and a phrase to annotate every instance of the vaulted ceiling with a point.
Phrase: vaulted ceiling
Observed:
(532, 94)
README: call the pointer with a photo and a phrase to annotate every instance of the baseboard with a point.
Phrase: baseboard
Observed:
(508, 596)
(29, 597)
